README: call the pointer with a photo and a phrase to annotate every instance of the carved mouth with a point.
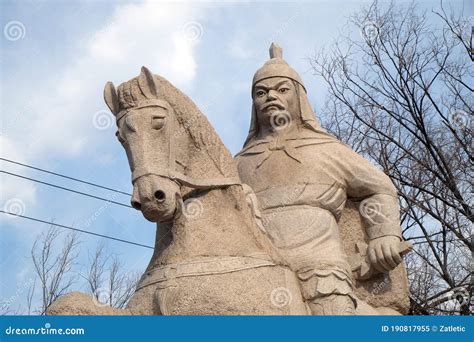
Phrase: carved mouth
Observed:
(153, 212)
(273, 106)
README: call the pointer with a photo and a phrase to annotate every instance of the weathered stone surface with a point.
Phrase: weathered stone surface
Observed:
(274, 232)
(78, 304)
(382, 290)
(210, 255)
(302, 178)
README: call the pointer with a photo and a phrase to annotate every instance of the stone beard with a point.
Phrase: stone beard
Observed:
(302, 177)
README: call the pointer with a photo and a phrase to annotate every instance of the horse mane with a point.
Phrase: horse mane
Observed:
(191, 119)
(205, 139)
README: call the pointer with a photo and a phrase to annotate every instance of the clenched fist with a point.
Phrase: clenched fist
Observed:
(383, 253)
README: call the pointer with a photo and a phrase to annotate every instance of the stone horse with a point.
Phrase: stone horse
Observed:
(212, 256)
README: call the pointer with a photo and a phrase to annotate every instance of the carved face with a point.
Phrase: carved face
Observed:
(272, 97)
(145, 135)
(146, 132)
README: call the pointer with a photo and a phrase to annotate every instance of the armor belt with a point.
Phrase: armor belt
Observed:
(331, 197)
(204, 266)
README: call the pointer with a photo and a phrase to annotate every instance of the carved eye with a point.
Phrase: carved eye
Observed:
(157, 122)
(260, 93)
(283, 90)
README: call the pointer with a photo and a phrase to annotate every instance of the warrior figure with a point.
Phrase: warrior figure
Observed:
(302, 177)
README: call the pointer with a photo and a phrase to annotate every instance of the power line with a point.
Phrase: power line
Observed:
(66, 189)
(75, 229)
(64, 176)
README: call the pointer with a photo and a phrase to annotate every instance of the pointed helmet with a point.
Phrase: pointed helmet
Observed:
(276, 66)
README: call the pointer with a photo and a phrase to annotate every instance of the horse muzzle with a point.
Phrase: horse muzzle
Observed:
(156, 197)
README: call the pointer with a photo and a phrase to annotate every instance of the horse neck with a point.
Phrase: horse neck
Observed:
(216, 222)
(206, 156)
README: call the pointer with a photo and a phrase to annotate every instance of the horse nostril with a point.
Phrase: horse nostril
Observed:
(136, 205)
(160, 196)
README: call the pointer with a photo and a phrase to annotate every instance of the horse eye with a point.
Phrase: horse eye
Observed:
(157, 122)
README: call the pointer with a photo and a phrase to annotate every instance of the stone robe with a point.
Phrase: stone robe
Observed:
(302, 183)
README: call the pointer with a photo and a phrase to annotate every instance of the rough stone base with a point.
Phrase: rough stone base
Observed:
(80, 304)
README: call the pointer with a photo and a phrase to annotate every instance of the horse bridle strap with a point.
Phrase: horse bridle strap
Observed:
(181, 179)
(142, 104)
(170, 172)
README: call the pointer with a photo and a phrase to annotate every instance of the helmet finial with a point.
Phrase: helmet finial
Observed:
(276, 51)
(276, 67)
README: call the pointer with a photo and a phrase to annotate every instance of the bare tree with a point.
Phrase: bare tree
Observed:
(57, 270)
(5, 309)
(53, 267)
(29, 297)
(107, 281)
(95, 275)
(401, 94)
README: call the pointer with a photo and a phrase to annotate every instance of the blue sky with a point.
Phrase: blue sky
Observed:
(53, 115)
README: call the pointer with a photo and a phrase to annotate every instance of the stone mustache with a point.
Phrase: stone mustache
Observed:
(269, 233)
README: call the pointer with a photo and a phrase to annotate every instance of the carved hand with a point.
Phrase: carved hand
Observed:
(383, 253)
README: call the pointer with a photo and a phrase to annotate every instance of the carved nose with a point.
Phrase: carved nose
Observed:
(272, 95)
(136, 205)
(160, 196)
(135, 201)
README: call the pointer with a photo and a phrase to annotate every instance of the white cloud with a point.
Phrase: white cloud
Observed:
(53, 117)
(148, 34)
(16, 194)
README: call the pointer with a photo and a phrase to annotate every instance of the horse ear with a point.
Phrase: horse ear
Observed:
(147, 83)
(111, 98)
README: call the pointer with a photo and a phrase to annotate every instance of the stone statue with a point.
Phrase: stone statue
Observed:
(269, 237)
(211, 257)
(302, 177)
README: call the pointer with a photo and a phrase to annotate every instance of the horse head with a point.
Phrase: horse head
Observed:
(171, 148)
